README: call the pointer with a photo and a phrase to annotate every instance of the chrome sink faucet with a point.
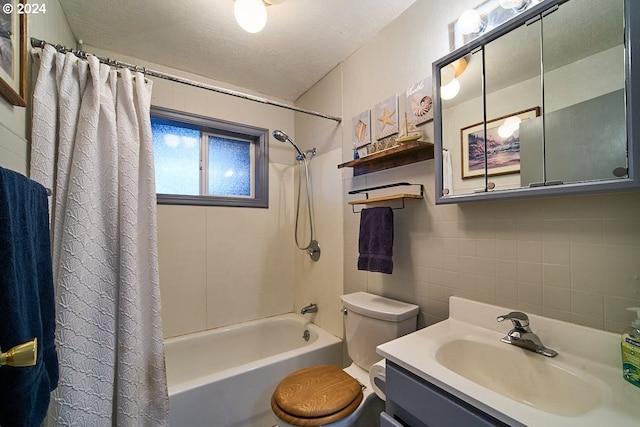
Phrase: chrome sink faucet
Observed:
(522, 336)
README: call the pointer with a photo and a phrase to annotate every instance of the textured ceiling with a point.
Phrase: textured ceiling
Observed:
(303, 39)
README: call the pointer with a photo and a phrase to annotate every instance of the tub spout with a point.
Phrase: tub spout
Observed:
(311, 308)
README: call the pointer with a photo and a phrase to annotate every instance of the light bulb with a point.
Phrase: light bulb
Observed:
(513, 122)
(510, 125)
(447, 73)
(470, 22)
(513, 4)
(505, 131)
(251, 15)
(451, 90)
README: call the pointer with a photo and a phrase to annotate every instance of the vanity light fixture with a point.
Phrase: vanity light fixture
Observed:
(485, 17)
(514, 4)
(251, 15)
(470, 22)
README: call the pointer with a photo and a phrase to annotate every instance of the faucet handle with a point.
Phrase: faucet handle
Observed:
(518, 318)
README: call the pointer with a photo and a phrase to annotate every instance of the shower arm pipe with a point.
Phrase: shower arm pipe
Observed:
(36, 43)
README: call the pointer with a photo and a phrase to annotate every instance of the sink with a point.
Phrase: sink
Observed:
(520, 375)
(463, 356)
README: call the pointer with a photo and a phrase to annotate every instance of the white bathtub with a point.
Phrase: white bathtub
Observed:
(225, 377)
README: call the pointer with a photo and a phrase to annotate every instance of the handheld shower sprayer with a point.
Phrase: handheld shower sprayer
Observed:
(313, 248)
(283, 137)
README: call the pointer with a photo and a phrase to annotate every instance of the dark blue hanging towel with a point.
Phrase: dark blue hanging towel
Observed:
(376, 240)
(26, 299)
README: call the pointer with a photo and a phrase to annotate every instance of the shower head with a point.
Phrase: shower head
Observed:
(283, 137)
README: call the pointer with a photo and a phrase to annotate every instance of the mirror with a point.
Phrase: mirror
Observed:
(542, 106)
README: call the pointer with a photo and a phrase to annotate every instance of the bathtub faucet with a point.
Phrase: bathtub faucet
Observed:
(311, 308)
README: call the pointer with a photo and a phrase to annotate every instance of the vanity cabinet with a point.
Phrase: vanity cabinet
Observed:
(545, 105)
(414, 402)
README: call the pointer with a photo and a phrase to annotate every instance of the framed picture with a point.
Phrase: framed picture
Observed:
(387, 117)
(419, 102)
(503, 145)
(361, 129)
(13, 52)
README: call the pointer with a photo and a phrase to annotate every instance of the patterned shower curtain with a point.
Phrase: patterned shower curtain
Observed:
(91, 144)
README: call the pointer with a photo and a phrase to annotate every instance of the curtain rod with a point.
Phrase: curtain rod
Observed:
(119, 64)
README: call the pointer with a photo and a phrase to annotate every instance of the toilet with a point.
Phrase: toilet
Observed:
(325, 395)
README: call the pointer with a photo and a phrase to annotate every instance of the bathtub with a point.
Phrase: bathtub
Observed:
(225, 377)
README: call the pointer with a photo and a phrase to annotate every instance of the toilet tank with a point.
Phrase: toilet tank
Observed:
(371, 320)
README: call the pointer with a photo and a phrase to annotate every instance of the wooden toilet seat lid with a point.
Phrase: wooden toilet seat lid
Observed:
(322, 394)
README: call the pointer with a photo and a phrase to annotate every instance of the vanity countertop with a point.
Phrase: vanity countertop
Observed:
(588, 361)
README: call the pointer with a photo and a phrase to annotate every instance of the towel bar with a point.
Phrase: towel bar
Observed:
(401, 196)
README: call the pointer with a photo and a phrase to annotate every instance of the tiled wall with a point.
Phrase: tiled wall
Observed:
(220, 266)
(573, 258)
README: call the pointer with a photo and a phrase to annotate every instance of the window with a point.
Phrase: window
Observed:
(203, 161)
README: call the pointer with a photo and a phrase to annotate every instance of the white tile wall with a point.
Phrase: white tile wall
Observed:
(220, 266)
(572, 258)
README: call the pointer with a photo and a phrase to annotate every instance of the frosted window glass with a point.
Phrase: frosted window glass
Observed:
(229, 167)
(177, 158)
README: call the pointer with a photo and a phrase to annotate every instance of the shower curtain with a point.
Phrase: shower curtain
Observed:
(91, 144)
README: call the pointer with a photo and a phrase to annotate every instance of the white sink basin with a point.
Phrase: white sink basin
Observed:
(463, 355)
(520, 375)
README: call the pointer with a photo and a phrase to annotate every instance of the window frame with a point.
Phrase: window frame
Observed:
(210, 126)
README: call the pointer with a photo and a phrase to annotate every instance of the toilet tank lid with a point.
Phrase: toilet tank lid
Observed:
(379, 307)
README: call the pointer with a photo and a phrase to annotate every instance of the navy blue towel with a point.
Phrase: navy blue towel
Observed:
(376, 240)
(26, 299)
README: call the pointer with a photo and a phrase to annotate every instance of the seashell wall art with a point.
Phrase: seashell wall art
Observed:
(361, 133)
(419, 102)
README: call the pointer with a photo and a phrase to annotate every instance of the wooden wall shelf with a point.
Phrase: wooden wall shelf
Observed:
(404, 154)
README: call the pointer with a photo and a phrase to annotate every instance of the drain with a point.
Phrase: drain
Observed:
(306, 335)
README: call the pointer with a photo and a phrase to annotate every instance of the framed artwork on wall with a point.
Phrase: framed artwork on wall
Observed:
(13, 52)
(387, 117)
(361, 129)
(503, 145)
(419, 102)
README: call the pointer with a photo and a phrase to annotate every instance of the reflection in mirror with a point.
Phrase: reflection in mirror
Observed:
(584, 80)
(513, 97)
(461, 102)
(555, 107)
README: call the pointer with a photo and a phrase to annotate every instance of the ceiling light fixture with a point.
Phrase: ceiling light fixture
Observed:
(251, 15)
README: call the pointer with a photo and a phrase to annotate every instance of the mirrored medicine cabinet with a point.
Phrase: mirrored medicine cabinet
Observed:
(541, 105)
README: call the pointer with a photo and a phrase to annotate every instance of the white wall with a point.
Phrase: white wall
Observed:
(14, 139)
(572, 258)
